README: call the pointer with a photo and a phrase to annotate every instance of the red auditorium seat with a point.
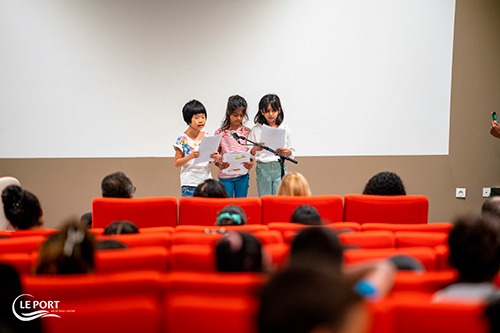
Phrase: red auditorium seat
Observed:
(203, 211)
(279, 208)
(427, 256)
(139, 258)
(369, 239)
(251, 228)
(401, 209)
(22, 262)
(430, 227)
(26, 244)
(416, 238)
(193, 257)
(141, 239)
(144, 212)
(429, 282)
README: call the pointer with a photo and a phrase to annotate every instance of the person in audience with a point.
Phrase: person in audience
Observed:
(294, 184)
(320, 246)
(474, 244)
(210, 188)
(404, 262)
(231, 215)
(22, 208)
(115, 185)
(491, 206)
(385, 183)
(69, 251)
(240, 252)
(307, 299)
(12, 289)
(306, 214)
(4, 182)
(121, 227)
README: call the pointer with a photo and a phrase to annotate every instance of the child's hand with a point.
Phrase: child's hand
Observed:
(216, 156)
(495, 129)
(255, 149)
(248, 165)
(194, 154)
(284, 151)
(222, 165)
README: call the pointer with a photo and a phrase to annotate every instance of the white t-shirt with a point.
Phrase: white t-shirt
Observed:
(265, 156)
(191, 174)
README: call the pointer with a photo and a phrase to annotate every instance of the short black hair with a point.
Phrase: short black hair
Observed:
(121, 227)
(210, 188)
(474, 244)
(491, 206)
(117, 185)
(239, 252)
(385, 183)
(306, 214)
(319, 243)
(191, 108)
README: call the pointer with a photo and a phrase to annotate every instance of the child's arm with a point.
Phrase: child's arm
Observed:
(179, 160)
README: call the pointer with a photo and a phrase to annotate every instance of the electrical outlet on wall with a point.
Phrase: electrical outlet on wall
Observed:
(461, 192)
(486, 192)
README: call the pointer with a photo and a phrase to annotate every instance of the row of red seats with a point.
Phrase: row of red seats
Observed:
(168, 211)
(195, 250)
(225, 302)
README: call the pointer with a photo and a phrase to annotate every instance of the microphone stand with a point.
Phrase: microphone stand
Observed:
(281, 158)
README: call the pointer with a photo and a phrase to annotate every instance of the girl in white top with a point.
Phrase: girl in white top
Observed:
(268, 169)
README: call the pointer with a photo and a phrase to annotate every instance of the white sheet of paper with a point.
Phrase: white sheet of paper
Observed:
(273, 137)
(235, 160)
(208, 146)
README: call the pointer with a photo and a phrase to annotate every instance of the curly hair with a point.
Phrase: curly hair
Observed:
(385, 183)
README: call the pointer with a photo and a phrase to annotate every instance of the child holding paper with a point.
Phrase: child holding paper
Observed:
(268, 169)
(187, 148)
(233, 174)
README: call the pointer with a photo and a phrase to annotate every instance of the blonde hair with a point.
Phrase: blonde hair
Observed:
(294, 184)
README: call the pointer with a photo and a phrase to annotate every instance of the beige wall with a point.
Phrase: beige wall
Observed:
(66, 187)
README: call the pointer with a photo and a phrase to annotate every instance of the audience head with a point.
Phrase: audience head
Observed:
(306, 299)
(121, 227)
(210, 188)
(192, 108)
(109, 244)
(21, 208)
(69, 251)
(306, 214)
(404, 262)
(385, 183)
(117, 185)
(240, 252)
(231, 215)
(491, 206)
(318, 244)
(294, 184)
(474, 244)
(4, 182)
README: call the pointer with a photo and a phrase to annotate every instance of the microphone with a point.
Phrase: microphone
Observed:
(236, 136)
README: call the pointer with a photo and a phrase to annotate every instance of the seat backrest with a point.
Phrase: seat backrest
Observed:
(402, 209)
(250, 228)
(418, 238)
(144, 212)
(430, 281)
(193, 257)
(429, 227)
(425, 255)
(22, 262)
(138, 258)
(203, 211)
(140, 239)
(369, 239)
(26, 244)
(279, 208)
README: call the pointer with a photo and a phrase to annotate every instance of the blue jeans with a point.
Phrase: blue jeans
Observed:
(187, 191)
(236, 187)
(268, 177)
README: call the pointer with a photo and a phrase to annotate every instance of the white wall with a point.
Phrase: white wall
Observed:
(94, 78)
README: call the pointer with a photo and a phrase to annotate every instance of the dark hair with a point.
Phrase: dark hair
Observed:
(491, 206)
(69, 251)
(191, 108)
(306, 214)
(234, 103)
(21, 208)
(474, 244)
(385, 183)
(239, 252)
(492, 312)
(231, 215)
(210, 188)
(275, 103)
(319, 243)
(120, 228)
(405, 262)
(299, 299)
(117, 185)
